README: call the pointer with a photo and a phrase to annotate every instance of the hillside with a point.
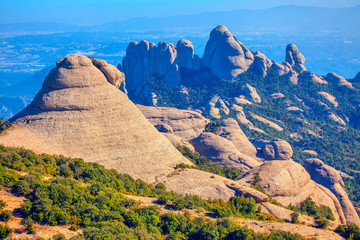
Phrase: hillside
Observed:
(51, 196)
(317, 115)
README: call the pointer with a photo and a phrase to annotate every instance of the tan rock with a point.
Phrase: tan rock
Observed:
(267, 122)
(278, 150)
(329, 97)
(222, 151)
(80, 114)
(289, 183)
(337, 80)
(231, 130)
(333, 117)
(251, 93)
(224, 55)
(277, 95)
(294, 57)
(330, 178)
(184, 123)
(112, 74)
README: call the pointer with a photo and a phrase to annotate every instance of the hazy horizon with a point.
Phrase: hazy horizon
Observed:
(92, 12)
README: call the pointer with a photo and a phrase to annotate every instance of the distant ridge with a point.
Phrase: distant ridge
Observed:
(278, 19)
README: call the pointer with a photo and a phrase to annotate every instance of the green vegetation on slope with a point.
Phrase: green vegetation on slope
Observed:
(88, 196)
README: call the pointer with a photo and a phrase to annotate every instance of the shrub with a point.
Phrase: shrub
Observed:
(4, 232)
(29, 224)
(5, 216)
(2, 204)
(295, 217)
(322, 223)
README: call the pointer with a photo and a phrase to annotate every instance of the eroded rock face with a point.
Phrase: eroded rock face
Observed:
(222, 151)
(277, 150)
(331, 179)
(78, 113)
(251, 93)
(337, 80)
(289, 183)
(224, 55)
(294, 57)
(185, 55)
(184, 123)
(112, 74)
(231, 130)
(261, 64)
(145, 59)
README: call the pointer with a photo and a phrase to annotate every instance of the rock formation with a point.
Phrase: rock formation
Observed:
(277, 150)
(251, 93)
(337, 80)
(295, 58)
(184, 123)
(164, 61)
(224, 55)
(330, 178)
(289, 183)
(231, 130)
(222, 151)
(79, 113)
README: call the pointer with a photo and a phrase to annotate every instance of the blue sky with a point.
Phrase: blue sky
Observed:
(101, 11)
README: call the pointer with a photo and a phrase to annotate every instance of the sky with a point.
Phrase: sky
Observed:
(90, 12)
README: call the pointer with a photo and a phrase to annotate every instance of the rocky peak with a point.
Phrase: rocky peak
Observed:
(186, 57)
(295, 58)
(224, 55)
(337, 80)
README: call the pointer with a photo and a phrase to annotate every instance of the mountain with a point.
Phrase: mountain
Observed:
(268, 100)
(277, 19)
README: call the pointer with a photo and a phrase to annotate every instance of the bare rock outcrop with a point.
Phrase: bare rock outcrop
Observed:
(289, 183)
(337, 80)
(79, 113)
(164, 61)
(330, 178)
(112, 74)
(251, 93)
(261, 64)
(224, 55)
(231, 130)
(185, 55)
(277, 150)
(222, 151)
(295, 58)
(185, 124)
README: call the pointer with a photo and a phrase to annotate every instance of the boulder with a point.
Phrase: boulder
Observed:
(295, 58)
(277, 150)
(330, 178)
(185, 124)
(337, 80)
(224, 55)
(222, 151)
